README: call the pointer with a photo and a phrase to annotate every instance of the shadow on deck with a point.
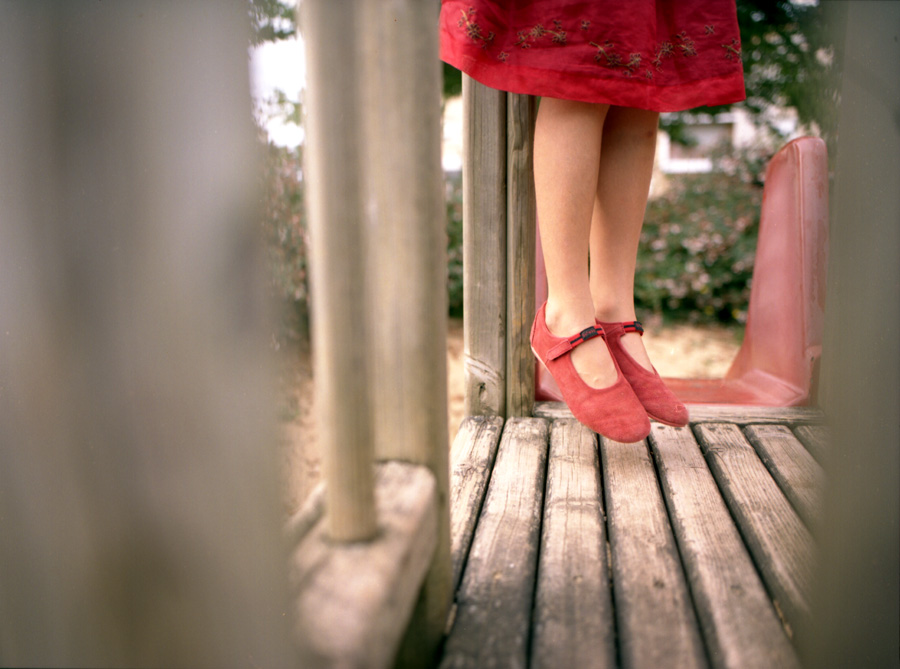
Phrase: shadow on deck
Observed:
(692, 548)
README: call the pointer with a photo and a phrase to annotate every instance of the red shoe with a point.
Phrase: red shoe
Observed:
(615, 411)
(660, 402)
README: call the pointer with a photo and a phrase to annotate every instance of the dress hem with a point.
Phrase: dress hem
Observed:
(631, 92)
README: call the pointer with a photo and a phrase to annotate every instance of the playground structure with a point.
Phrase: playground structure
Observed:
(138, 497)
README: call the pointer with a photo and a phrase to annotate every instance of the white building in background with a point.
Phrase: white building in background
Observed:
(734, 128)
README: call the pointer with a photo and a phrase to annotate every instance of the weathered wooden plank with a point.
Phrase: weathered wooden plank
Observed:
(573, 616)
(473, 454)
(139, 496)
(494, 601)
(781, 546)
(484, 248)
(354, 600)
(740, 625)
(520, 245)
(657, 625)
(406, 266)
(744, 415)
(306, 517)
(799, 476)
(710, 413)
(332, 161)
(815, 438)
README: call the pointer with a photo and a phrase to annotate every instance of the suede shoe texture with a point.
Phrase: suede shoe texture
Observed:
(615, 411)
(660, 403)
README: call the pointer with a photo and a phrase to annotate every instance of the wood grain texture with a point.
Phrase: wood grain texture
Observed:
(473, 455)
(406, 266)
(306, 516)
(815, 438)
(797, 473)
(484, 248)
(573, 616)
(520, 250)
(744, 415)
(710, 413)
(657, 625)
(739, 622)
(333, 164)
(495, 599)
(354, 600)
(781, 546)
(140, 510)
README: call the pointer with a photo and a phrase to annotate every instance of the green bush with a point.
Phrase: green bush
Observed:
(283, 220)
(454, 244)
(695, 259)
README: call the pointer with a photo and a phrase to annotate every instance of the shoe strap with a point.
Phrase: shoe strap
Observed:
(634, 326)
(567, 345)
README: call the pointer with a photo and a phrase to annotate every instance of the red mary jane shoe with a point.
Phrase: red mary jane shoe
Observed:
(660, 402)
(614, 411)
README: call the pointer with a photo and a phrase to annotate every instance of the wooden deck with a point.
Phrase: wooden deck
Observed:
(690, 549)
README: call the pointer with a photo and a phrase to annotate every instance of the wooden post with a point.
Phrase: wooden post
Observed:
(856, 619)
(407, 270)
(334, 161)
(484, 248)
(139, 496)
(520, 248)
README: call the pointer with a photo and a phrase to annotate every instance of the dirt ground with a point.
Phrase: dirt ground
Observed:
(684, 351)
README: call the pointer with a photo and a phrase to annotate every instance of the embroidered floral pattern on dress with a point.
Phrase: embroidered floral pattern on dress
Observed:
(650, 54)
(607, 54)
(473, 30)
(686, 44)
(733, 50)
(664, 50)
(525, 38)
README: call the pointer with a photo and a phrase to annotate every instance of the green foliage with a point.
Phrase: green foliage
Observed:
(454, 244)
(271, 20)
(695, 260)
(790, 55)
(283, 221)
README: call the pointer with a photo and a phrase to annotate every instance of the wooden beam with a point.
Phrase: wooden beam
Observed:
(484, 248)
(406, 265)
(799, 476)
(474, 452)
(781, 546)
(657, 625)
(334, 162)
(713, 413)
(573, 622)
(858, 582)
(355, 600)
(520, 248)
(139, 495)
(494, 602)
(740, 625)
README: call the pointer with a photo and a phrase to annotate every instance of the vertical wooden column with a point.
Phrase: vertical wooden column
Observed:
(334, 161)
(484, 248)
(140, 519)
(407, 269)
(520, 248)
(856, 618)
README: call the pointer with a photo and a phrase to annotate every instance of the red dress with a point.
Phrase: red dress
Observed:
(662, 55)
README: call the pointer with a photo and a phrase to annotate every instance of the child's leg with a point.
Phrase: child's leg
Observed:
(567, 143)
(626, 165)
